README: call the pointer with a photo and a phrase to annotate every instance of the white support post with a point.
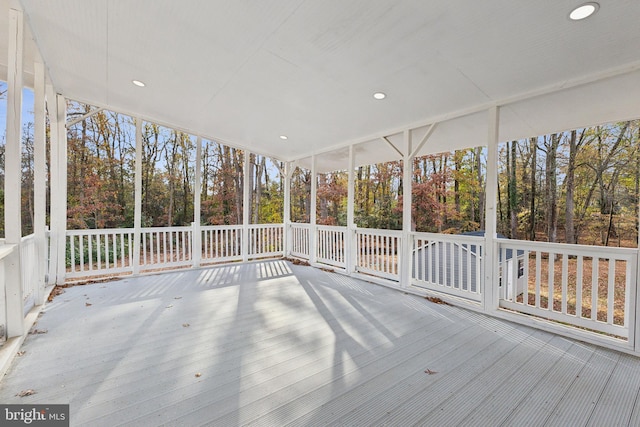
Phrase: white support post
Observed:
(406, 256)
(312, 214)
(13, 177)
(52, 106)
(491, 283)
(62, 190)
(350, 238)
(137, 209)
(196, 241)
(40, 178)
(246, 206)
(287, 238)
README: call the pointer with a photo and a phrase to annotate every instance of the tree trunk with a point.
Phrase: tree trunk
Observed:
(533, 142)
(570, 235)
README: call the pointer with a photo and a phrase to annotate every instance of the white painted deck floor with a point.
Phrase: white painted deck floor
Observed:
(274, 344)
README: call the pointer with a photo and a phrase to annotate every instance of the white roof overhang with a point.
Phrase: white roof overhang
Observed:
(244, 73)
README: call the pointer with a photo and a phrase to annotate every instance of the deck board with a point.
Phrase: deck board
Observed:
(279, 344)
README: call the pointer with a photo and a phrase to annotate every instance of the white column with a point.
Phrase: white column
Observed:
(350, 238)
(62, 189)
(246, 206)
(491, 285)
(137, 207)
(312, 215)
(54, 186)
(40, 178)
(196, 253)
(13, 177)
(286, 214)
(406, 256)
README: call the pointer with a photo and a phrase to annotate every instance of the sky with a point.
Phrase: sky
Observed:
(27, 109)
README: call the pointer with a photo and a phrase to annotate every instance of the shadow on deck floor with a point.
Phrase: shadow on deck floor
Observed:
(271, 343)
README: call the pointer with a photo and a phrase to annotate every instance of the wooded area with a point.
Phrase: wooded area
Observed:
(578, 186)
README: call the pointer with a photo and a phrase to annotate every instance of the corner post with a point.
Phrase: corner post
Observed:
(313, 212)
(350, 239)
(406, 248)
(40, 179)
(13, 177)
(246, 206)
(196, 240)
(137, 210)
(491, 269)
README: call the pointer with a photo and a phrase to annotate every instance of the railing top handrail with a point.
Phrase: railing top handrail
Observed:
(567, 248)
(456, 238)
(6, 250)
(379, 232)
(94, 231)
(28, 237)
(222, 227)
(300, 224)
(258, 226)
(332, 227)
(173, 228)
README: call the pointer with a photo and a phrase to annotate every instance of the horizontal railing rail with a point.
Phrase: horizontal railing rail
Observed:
(452, 264)
(379, 253)
(586, 286)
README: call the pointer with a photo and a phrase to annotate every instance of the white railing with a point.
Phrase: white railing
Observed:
(378, 252)
(451, 264)
(164, 247)
(586, 286)
(266, 240)
(29, 265)
(5, 250)
(330, 245)
(221, 243)
(300, 240)
(97, 252)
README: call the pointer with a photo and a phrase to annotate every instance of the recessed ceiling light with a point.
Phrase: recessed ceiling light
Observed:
(138, 83)
(379, 95)
(283, 137)
(584, 11)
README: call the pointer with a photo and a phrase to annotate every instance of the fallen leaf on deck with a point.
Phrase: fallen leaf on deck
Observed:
(21, 353)
(430, 372)
(88, 304)
(38, 331)
(169, 306)
(185, 325)
(198, 375)
(24, 393)
(177, 297)
(436, 300)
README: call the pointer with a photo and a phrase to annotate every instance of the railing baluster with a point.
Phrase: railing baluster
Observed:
(595, 265)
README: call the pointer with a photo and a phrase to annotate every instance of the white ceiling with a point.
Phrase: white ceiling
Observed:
(245, 72)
